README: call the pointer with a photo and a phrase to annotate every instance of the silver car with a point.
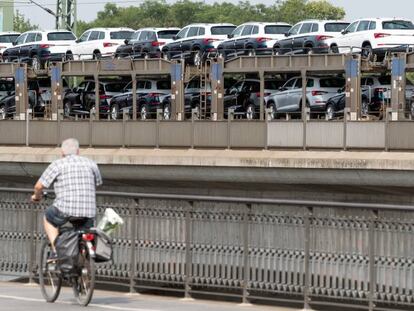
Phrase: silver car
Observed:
(288, 99)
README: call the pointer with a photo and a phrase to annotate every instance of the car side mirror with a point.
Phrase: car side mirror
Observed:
(287, 34)
(126, 41)
(14, 43)
(77, 40)
(339, 90)
(230, 35)
(9, 93)
(175, 37)
(344, 32)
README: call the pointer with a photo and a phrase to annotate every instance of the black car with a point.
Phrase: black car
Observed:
(252, 38)
(36, 102)
(150, 93)
(146, 42)
(40, 47)
(335, 106)
(244, 96)
(309, 37)
(81, 100)
(196, 41)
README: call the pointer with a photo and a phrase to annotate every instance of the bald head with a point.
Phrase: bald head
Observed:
(70, 146)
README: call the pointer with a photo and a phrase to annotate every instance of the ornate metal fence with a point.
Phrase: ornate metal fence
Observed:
(313, 253)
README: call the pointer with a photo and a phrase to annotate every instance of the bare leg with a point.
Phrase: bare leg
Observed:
(51, 232)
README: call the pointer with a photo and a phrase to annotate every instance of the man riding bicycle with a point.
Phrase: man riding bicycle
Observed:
(75, 179)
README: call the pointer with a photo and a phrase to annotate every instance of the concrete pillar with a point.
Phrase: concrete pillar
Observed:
(177, 91)
(97, 99)
(22, 93)
(217, 88)
(398, 82)
(352, 87)
(57, 91)
(261, 99)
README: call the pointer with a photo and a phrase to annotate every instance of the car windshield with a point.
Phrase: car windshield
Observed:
(222, 30)
(335, 27)
(164, 85)
(277, 29)
(273, 84)
(60, 36)
(8, 38)
(114, 87)
(167, 34)
(135, 36)
(397, 25)
(332, 82)
(384, 80)
(121, 35)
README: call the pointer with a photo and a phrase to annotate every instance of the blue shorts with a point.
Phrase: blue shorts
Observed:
(57, 219)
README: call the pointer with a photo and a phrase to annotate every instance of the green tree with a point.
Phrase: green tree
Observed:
(21, 24)
(159, 13)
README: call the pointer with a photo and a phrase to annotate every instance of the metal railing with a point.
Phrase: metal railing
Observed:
(309, 252)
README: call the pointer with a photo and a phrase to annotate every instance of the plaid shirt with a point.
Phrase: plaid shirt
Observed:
(74, 179)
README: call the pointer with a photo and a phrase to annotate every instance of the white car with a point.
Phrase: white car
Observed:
(318, 90)
(98, 42)
(7, 39)
(252, 37)
(40, 47)
(370, 36)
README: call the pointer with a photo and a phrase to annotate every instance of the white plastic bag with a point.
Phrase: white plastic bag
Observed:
(110, 221)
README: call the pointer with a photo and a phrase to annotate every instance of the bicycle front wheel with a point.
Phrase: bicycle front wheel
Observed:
(83, 283)
(50, 278)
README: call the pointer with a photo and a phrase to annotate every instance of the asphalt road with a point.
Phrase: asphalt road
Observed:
(22, 297)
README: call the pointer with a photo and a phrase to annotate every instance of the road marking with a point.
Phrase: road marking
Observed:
(71, 303)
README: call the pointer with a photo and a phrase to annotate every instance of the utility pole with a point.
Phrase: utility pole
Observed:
(65, 15)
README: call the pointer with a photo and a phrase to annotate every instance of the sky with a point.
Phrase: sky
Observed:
(87, 9)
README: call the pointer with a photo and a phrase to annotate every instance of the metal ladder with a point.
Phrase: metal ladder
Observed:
(204, 81)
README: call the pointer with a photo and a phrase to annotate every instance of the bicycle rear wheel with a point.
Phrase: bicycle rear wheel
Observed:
(50, 278)
(84, 283)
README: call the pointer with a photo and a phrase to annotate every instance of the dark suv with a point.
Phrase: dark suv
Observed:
(81, 100)
(309, 37)
(35, 95)
(197, 41)
(146, 42)
(253, 38)
(244, 96)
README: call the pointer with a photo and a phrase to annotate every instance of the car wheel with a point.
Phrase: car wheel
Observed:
(251, 52)
(69, 56)
(36, 63)
(364, 107)
(143, 111)
(97, 55)
(197, 58)
(250, 112)
(367, 51)
(334, 49)
(166, 113)
(273, 113)
(67, 109)
(3, 113)
(114, 112)
(330, 112)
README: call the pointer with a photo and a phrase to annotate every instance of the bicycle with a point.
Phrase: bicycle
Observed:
(81, 277)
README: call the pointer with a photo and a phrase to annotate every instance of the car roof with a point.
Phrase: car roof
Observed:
(9, 33)
(384, 19)
(209, 25)
(47, 31)
(158, 28)
(322, 21)
(109, 29)
(267, 23)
